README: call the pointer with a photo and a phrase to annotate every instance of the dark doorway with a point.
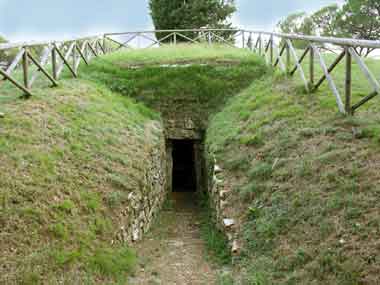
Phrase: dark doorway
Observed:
(184, 174)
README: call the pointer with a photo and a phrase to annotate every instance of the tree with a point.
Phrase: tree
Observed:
(359, 19)
(297, 23)
(191, 14)
(3, 56)
(7, 55)
(325, 20)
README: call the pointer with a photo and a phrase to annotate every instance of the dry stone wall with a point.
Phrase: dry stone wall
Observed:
(145, 201)
(219, 193)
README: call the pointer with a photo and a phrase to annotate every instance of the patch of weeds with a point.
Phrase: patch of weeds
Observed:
(168, 204)
(66, 206)
(252, 140)
(59, 231)
(101, 225)
(115, 199)
(260, 272)
(92, 200)
(31, 214)
(344, 136)
(300, 258)
(305, 169)
(309, 132)
(238, 163)
(119, 181)
(65, 257)
(261, 171)
(252, 190)
(112, 262)
(216, 241)
(30, 278)
(225, 278)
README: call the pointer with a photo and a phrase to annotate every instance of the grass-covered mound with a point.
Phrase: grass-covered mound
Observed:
(178, 81)
(305, 185)
(70, 155)
(68, 159)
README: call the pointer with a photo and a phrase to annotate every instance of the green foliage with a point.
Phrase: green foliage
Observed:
(325, 20)
(360, 19)
(6, 55)
(179, 14)
(297, 23)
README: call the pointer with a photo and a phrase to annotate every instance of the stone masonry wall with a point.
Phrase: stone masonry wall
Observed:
(145, 202)
(219, 192)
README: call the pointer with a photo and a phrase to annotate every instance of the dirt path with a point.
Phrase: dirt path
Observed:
(173, 252)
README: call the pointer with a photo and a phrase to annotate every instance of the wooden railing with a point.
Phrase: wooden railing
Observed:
(43, 55)
(278, 50)
(275, 46)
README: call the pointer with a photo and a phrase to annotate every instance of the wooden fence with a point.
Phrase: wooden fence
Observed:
(43, 55)
(278, 49)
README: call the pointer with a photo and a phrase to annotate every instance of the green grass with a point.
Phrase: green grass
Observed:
(360, 85)
(79, 149)
(57, 206)
(195, 90)
(305, 178)
(215, 240)
(309, 187)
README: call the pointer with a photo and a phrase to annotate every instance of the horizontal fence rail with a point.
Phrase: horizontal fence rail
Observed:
(279, 50)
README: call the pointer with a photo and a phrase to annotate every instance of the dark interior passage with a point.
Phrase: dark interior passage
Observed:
(184, 174)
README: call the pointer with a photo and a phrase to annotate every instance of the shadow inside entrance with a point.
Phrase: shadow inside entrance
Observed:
(184, 172)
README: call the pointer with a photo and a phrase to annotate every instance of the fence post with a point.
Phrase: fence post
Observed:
(271, 49)
(311, 68)
(25, 68)
(209, 38)
(75, 57)
(260, 44)
(105, 44)
(175, 38)
(348, 82)
(243, 38)
(250, 42)
(288, 67)
(54, 62)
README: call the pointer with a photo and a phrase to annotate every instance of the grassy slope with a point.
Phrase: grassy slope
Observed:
(308, 186)
(308, 182)
(198, 89)
(75, 153)
(68, 159)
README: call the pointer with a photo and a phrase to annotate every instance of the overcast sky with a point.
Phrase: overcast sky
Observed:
(52, 19)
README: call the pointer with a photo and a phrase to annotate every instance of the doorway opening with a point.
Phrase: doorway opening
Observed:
(184, 174)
